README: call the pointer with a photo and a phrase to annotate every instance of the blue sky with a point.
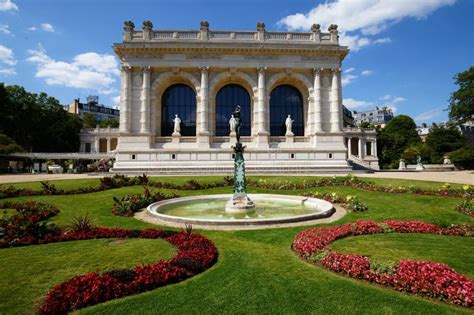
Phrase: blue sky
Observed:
(404, 54)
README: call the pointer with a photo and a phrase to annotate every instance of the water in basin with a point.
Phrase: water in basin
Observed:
(214, 209)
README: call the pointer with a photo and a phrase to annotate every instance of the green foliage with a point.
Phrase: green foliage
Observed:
(109, 122)
(410, 154)
(463, 157)
(82, 222)
(392, 140)
(461, 107)
(89, 121)
(444, 139)
(37, 122)
(8, 145)
(383, 266)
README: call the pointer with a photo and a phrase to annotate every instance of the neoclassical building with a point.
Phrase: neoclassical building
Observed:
(202, 75)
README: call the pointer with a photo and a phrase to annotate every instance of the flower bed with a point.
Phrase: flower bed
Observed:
(350, 203)
(128, 205)
(197, 254)
(118, 181)
(423, 278)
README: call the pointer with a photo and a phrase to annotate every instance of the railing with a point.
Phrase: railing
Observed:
(99, 130)
(159, 35)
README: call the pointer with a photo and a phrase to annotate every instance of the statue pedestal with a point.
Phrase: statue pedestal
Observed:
(402, 166)
(419, 167)
(232, 137)
(290, 137)
(176, 137)
(240, 202)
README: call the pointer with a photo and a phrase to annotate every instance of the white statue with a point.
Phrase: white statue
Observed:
(289, 125)
(232, 123)
(177, 125)
(446, 160)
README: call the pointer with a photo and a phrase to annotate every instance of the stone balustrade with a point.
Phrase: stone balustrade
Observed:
(148, 34)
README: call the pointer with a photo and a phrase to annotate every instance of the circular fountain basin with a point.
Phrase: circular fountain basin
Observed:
(269, 209)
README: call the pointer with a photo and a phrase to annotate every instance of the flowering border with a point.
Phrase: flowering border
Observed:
(118, 181)
(196, 254)
(419, 277)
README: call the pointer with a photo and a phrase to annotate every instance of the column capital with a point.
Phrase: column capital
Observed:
(261, 69)
(204, 69)
(318, 70)
(127, 68)
(146, 69)
(336, 70)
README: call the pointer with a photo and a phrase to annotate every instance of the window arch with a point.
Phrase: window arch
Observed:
(286, 100)
(227, 99)
(178, 99)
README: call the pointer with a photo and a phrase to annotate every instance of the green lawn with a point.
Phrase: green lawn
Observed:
(256, 273)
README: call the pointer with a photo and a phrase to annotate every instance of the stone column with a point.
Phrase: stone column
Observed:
(318, 106)
(145, 104)
(349, 147)
(361, 148)
(202, 117)
(96, 145)
(108, 145)
(262, 133)
(126, 99)
(335, 102)
(374, 148)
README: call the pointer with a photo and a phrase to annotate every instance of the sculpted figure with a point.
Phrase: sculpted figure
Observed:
(289, 125)
(238, 122)
(232, 123)
(177, 124)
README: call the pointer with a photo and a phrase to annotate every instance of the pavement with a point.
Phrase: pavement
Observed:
(459, 177)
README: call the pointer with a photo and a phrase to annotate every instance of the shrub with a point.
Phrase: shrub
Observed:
(82, 223)
(463, 157)
(128, 205)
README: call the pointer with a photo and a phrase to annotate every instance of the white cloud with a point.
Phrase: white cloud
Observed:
(398, 99)
(368, 17)
(384, 40)
(33, 28)
(349, 70)
(6, 56)
(366, 72)
(8, 5)
(7, 71)
(428, 115)
(116, 100)
(47, 27)
(5, 29)
(86, 71)
(385, 97)
(347, 79)
(352, 103)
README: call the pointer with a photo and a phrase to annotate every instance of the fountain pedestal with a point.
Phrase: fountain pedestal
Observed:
(240, 202)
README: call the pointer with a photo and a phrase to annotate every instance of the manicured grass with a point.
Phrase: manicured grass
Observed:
(455, 251)
(257, 272)
(29, 272)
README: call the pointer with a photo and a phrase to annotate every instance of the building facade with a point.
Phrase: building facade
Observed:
(380, 116)
(92, 106)
(201, 76)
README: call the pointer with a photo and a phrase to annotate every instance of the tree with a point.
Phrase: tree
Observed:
(7, 145)
(37, 122)
(110, 121)
(444, 139)
(89, 121)
(461, 107)
(399, 134)
(463, 157)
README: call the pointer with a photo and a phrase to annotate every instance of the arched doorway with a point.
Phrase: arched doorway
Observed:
(178, 99)
(227, 99)
(286, 100)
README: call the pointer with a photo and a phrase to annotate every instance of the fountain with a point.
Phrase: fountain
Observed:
(239, 209)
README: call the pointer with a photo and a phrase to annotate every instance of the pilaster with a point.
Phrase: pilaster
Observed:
(335, 107)
(126, 100)
(145, 102)
(262, 133)
(202, 113)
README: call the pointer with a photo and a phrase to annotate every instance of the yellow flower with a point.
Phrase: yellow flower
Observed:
(466, 187)
(349, 198)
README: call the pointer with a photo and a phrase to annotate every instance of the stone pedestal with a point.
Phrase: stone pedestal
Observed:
(240, 202)
(290, 137)
(232, 137)
(402, 166)
(176, 137)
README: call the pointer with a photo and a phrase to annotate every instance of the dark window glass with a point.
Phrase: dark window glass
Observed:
(226, 100)
(178, 99)
(286, 100)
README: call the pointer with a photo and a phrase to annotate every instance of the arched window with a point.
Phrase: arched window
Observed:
(226, 100)
(286, 100)
(178, 99)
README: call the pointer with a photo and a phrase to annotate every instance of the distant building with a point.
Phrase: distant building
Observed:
(467, 129)
(423, 131)
(347, 117)
(378, 116)
(92, 106)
